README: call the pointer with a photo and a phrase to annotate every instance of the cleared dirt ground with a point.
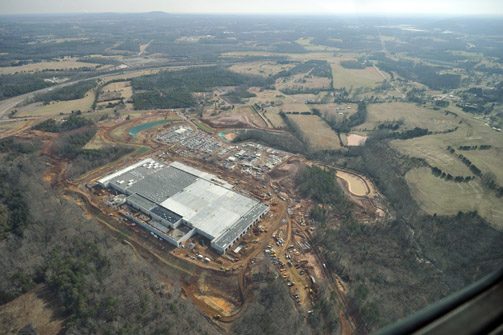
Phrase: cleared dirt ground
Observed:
(241, 116)
(355, 140)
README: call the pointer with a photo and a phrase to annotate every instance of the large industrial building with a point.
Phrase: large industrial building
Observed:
(182, 201)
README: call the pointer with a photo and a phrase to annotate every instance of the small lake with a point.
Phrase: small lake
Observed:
(144, 126)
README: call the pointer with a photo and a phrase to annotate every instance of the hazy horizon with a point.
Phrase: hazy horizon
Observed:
(296, 7)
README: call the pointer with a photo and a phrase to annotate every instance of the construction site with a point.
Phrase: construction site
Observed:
(181, 201)
(214, 212)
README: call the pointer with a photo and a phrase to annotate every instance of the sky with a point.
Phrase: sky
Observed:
(353, 7)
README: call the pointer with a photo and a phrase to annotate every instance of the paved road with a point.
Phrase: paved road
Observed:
(7, 104)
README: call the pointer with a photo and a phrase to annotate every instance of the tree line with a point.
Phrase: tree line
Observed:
(91, 278)
(70, 92)
(174, 89)
(447, 176)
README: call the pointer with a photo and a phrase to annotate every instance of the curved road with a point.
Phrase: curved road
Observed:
(9, 103)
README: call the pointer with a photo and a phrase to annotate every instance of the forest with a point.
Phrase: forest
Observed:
(92, 277)
(423, 73)
(16, 84)
(175, 89)
(361, 254)
(70, 92)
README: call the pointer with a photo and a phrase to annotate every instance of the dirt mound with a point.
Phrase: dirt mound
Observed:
(289, 169)
(234, 121)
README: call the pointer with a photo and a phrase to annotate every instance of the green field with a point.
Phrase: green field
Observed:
(54, 109)
(411, 115)
(433, 149)
(368, 77)
(434, 195)
(315, 132)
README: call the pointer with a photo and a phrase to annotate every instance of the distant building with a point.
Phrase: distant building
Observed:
(183, 201)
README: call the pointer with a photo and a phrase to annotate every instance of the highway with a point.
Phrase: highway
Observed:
(8, 104)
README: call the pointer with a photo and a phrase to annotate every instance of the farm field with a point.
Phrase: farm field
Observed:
(56, 108)
(368, 77)
(265, 69)
(113, 93)
(435, 195)
(433, 148)
(122, 87)
(411, 115)
(334, 110)
(272, 114)
(307, 43)
(302, 82)
(66, 64)
(315, 132)
(274, 97)
(488, 160)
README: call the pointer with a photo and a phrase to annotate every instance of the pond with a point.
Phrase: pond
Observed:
(147, 125)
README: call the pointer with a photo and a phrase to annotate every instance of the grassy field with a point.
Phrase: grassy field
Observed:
(272, 114)
(488, 160)
(315, 132)
(277, 102)
(470, 132)
(97, 142)
(123, 87)
(433, 149)
(302, 82)
(412, 116)
(66, 64)
(55, 108)
(264, 68)
(335, 111)
(368, 77)
(307, 43)
(434, 195)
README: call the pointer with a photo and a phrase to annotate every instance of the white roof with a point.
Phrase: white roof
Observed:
(181, 130)
(200, 174)
(106, 179)
(209, 207)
